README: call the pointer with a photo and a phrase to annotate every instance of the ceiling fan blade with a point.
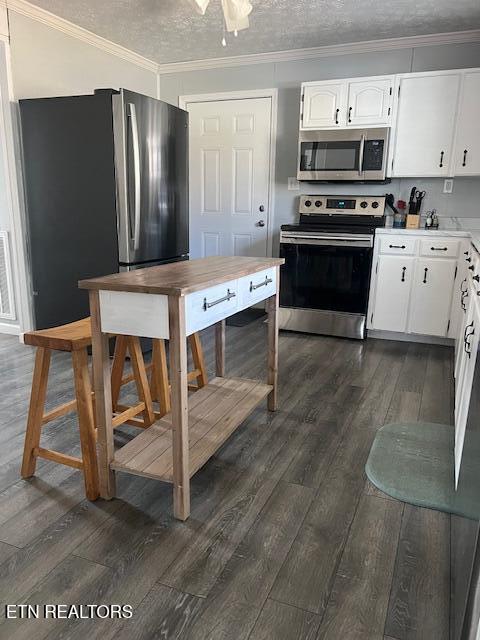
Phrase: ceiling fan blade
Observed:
(200, 6)
(236, 14)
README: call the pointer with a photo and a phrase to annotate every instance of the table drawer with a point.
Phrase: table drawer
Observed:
(256, 287)
(211, 305)
(440, 248)
(398, 245)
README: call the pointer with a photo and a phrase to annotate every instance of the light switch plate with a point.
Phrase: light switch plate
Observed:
(448, 185)
(293, 184)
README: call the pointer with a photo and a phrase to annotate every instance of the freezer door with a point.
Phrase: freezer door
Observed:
(151, 163)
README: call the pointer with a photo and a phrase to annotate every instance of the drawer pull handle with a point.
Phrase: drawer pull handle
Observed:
(442, 153)
(439, 248)
(425, 275)
(229, 296)
(464, 163)
(261, 284)
(396, 246)
(403, 274)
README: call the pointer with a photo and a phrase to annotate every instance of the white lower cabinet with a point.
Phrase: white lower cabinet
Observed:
(412, 293)
(432, 290)
(393, 282)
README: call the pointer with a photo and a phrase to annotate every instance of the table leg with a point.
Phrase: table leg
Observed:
(220, 348)
(103, 400)
(272, 375)
(179, 408)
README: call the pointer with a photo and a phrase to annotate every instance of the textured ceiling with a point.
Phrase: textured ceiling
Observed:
(169, 31)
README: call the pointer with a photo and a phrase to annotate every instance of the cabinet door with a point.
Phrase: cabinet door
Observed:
(324, 105)
(467, 145)
(369, 102)
(425, 125)
(432, 292)
(392, 293)
(462, 397)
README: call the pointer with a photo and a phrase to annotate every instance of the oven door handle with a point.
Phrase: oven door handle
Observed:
(329, 242)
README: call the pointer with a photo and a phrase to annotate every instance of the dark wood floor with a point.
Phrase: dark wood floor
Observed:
(286, 540)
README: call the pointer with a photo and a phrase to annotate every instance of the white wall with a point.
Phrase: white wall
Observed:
(48, 62)
(287, 77)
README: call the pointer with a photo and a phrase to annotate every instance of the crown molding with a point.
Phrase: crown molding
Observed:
(45, 17)
(292, 55)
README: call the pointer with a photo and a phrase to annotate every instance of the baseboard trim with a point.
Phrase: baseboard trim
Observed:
(12, 329)
(409, 337)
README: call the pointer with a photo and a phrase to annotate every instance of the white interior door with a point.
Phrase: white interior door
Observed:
(229, 177)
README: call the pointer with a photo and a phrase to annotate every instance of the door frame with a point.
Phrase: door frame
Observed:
(185, 100)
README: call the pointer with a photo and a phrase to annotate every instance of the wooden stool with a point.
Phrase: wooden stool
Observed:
(75, 337)
(159, 382)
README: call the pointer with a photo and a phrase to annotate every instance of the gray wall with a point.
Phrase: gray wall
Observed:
(287, 76)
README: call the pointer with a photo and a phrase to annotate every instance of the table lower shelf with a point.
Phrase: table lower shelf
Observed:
(215, 411)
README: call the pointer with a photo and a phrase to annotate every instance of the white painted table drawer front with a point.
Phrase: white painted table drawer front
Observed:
(211, 305)
(256, 287)
(398, 245)
(439, 248)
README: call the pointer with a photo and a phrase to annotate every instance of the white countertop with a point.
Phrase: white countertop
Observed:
(449, 227)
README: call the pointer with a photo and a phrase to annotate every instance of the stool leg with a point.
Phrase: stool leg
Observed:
(36, 411)
(118, 368)
(198, 359)
(160, 375)
(86, 423)
(141, 380)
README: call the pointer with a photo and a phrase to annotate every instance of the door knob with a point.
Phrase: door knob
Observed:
(261, 223)
(261, 208)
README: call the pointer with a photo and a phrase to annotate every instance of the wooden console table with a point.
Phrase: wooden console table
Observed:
(173, 301)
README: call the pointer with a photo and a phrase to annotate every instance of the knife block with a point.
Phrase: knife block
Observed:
(413, 221)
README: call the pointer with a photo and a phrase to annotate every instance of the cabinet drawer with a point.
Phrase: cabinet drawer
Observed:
(256, 287)
(440, 248)
(398, 245)
(211, 305)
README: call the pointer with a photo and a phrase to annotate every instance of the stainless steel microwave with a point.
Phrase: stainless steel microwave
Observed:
(348, 155)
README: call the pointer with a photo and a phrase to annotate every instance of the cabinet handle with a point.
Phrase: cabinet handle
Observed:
(468, 259)
(464, 163)
(337, 111)
(261, 284)
(425, 275)
(477, 278)
(229, 296)
(396, 246)
(403, 273)
(442, 153)
(462, 290)
(350, 114)
(471, 267)
(465, 253)
(468, 350)
(439, 248)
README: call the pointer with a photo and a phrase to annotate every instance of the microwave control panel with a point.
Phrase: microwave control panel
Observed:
(373, 155)
(333, 204)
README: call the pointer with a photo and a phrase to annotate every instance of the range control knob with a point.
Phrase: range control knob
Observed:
(375, 204)
(364, 204)
(318, 203)
(308, 203)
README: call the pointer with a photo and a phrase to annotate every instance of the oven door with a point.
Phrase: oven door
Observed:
(358, 154)
(326, 272)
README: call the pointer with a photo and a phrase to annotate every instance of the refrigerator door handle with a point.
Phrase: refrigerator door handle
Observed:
(132, 114)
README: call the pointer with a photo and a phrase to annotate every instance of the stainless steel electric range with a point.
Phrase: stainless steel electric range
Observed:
(325, 280)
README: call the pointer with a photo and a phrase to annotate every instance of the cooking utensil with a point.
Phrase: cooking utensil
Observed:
(419, 196)
(411, 202)
(390, 200)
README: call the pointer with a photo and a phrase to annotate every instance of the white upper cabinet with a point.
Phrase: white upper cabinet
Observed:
(467, 144)
(350, 103)
(323, 105)
(369, 102)
(427, 109)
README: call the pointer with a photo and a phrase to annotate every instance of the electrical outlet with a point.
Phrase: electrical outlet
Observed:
(448, 185)
(293, 184)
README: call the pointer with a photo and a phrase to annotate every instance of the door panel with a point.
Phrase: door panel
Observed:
(323, 105)
(425, 125)
(151, 158)
(392, 293)
(467, 147)
(229, 177)
(432, 296)
(369, 102)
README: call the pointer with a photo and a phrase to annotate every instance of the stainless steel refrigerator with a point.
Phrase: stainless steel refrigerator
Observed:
(106, 182)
